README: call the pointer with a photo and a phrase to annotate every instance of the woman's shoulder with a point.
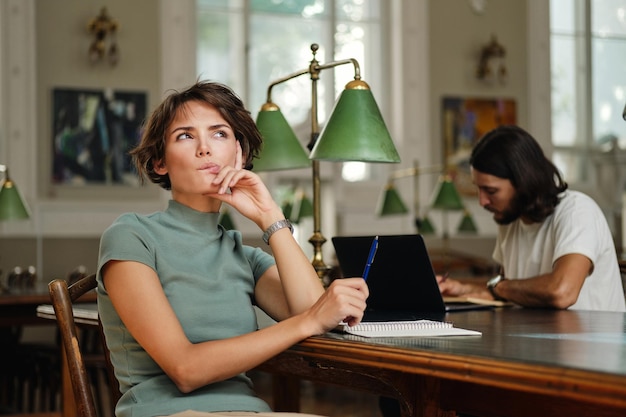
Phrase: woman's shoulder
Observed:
(129, 223)
(134, 218)
(126, 218)
(122, 222)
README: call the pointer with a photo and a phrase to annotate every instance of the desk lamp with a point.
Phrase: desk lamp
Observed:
(467, 225)
(355, 131)
(447, 198)
(296, 205)
(424, 225)
(302, 207)
(391, 202)
(11, 204)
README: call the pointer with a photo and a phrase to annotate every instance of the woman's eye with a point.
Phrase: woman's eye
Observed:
(183, 135)
(220, 134)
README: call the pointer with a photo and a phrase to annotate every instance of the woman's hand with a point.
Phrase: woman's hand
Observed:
(248, 194)
(344, 300)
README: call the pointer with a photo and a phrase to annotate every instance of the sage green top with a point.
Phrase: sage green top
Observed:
(208, 276)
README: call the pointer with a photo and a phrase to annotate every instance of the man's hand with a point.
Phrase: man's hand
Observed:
(456, 288)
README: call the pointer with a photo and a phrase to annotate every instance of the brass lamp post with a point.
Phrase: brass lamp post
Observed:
(355, 131)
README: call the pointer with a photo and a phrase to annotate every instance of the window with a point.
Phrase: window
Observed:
(588, 48)
(246, 44)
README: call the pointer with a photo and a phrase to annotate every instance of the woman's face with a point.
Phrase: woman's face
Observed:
(198, 144)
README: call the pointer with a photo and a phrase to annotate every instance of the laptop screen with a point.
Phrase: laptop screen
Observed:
(401, 277)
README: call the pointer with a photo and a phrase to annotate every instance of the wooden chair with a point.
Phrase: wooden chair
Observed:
(62, 298)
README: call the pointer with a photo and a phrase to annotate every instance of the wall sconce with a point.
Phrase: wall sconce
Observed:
(103, 27)
(491, 62)
(355, 131)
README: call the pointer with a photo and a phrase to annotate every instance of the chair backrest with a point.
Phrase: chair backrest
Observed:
(63, 298)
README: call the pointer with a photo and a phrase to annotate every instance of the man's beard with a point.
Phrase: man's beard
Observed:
(509, 214)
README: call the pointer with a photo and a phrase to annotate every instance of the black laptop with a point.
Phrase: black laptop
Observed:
(401, 279)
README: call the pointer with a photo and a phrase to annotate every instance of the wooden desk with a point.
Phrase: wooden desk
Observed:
(526, 363)
(18, 307)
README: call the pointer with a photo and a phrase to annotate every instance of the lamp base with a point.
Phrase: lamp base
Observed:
(323, 272)
(317, 240)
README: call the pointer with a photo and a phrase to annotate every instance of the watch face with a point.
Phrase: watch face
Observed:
(494, 281)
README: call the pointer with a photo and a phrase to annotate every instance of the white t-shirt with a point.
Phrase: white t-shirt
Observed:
(576, 226)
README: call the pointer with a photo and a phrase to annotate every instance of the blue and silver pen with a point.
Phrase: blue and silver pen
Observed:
(370, 258)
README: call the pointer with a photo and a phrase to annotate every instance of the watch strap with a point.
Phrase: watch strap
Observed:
(276, 226)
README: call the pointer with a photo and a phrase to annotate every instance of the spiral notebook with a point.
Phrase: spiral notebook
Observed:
(404, 296)
(423, 328)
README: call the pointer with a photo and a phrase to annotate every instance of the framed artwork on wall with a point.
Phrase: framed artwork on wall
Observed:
(465, 121)
(92, 132)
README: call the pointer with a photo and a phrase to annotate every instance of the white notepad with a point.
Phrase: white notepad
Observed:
(423, 328)
(83, 312)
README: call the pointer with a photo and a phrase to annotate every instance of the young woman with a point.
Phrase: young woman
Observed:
(176, 291)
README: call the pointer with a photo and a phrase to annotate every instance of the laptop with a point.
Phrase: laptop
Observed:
(401, 280)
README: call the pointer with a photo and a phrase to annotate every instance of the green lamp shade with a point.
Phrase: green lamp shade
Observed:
(227, 221)
(424, 226)
(391, 202)
(467, 224)
(11, 204)
(355, 130)
(281, 148)
(287, 208)
(447, 197)
(303, 208)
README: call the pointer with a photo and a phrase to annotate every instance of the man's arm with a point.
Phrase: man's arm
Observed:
(557, 289)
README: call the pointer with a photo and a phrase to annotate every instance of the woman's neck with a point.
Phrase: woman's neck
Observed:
(199, 203)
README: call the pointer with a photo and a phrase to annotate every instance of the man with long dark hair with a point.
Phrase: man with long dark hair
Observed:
(553, 244)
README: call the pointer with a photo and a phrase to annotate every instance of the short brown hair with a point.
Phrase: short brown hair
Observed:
(151, 148)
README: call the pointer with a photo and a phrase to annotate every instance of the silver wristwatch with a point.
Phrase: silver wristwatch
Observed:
(491, 285)
(281, 224)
